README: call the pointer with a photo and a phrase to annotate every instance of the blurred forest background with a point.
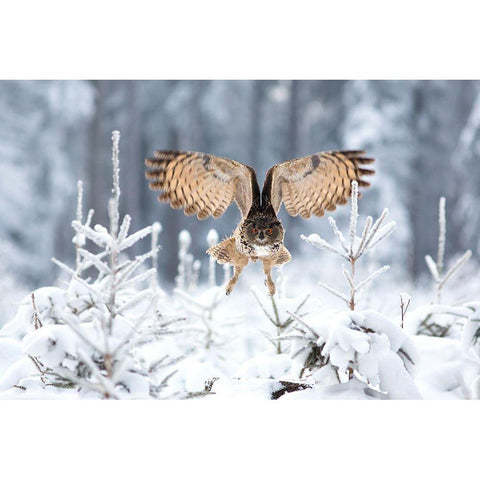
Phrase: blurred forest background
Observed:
(425, 136)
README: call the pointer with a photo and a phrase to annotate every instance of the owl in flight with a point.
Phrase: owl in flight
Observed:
(206, 185)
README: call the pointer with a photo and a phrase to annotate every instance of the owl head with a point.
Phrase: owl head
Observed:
(262, 230)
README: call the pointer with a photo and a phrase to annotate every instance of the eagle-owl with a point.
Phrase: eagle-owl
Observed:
(206, 185)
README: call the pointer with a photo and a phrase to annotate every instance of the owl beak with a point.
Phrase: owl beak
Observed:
(261, 236)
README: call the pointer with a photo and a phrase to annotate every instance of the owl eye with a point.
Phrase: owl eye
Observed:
(269, 231)
(254, 230)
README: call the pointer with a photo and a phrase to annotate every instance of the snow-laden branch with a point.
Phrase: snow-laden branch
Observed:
(317, 241)
(95, 260)
(335, 292)
(98, 235)
(338, 234)
(124, 227)
(134, 238)
(375, 274)
(432, 266)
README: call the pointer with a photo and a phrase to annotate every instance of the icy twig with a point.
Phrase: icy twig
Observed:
(124, 228)
(363, 242)
(377, 225)
(322, 244)
(36, 318)
(404, 304)
(134, 238)
(338, 234)
(382, 233)
(455, 267)
(99, 236)
(371, 277)
(442, 224)
(95, 261)
(432, 266)
(335, 292)
(262, 307)
(73, 274)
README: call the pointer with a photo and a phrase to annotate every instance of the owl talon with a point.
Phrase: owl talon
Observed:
(271, 288)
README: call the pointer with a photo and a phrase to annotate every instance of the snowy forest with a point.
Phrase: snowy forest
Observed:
(106, 293)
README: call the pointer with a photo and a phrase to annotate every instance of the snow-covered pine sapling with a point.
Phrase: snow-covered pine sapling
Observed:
(200, 305)
(438, 319)
(276, 312)
(103, 317)
(333, 348)
(440, 276)
(353, 247)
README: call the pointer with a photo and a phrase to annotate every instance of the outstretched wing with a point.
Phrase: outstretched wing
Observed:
(202, 184)
(310, 185)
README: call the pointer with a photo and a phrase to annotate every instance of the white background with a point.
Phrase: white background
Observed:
(251, 440)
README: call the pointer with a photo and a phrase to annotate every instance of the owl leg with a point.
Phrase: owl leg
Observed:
(238, 266)
(267, 269)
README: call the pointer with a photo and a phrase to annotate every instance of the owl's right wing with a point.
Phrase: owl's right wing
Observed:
(310, 185)
(202, 184)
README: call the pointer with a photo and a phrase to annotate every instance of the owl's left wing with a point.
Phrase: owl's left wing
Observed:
(202, 184)
(310, 185)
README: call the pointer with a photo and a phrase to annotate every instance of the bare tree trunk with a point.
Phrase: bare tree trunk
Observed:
(96, 184)
(293, 120)
(133, 171)
(257, 95)
(170, 220)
